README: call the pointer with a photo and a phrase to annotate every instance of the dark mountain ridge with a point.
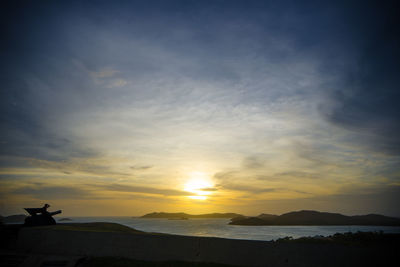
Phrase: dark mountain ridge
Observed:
(310, 217)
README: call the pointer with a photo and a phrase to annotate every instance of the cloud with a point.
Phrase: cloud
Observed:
(211, 189)
(146, 167)
(365, 99)
(94, 166)
(139, 189)
(54, 192)
(225, 175)
(244, 188)
(117, 83)
(40, 190)
(103, 74)
(295, 174)
(253, 92)
(253, 162)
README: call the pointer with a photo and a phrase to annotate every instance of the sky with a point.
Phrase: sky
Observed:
(121, 108)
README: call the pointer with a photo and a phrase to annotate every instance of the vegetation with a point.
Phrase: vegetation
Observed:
(94, 227)
(358, 238)
(123, 262)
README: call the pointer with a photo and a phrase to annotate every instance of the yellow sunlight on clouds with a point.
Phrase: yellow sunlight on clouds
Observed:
(200, 185)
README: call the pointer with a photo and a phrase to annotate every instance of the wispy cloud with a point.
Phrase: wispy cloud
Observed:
(141, 167)
(138, 189)
(245, 188)
(210, 189)
(253, 94)
(103, 73)
(54, 192)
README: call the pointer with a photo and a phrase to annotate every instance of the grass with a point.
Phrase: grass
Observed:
(95, 227)
(358, 238)
(123, 262)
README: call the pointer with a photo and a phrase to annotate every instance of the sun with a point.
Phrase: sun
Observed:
(200, 185)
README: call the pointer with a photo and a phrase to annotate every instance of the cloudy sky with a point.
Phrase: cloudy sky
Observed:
(129, 107)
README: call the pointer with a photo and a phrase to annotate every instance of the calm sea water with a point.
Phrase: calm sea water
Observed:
(220, 228)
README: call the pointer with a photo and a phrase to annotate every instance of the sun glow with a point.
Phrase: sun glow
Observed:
(198, 197)
(200, 185)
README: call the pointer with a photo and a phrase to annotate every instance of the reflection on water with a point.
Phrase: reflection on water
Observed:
(220, 228)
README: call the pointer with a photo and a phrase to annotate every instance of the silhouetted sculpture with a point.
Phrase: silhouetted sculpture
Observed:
(44, 217)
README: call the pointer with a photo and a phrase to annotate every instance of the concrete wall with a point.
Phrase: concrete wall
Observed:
(218, 250)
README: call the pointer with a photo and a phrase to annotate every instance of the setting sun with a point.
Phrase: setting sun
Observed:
(199, 184)
(198, 197)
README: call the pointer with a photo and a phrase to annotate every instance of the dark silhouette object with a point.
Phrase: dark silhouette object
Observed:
(311, 217)
(40, 216)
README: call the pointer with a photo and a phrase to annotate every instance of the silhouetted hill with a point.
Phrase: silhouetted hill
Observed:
(373, 219)
(19, 218)
(310, 217)
(238, 218)
(265, 216)
(166, 215)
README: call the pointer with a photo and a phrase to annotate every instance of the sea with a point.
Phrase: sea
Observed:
(221, 228)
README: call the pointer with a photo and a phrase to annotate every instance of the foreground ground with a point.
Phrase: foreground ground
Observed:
(109, 244)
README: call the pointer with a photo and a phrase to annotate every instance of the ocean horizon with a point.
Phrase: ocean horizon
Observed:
(220, 228)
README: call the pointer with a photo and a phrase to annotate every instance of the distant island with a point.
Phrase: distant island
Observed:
(65, 219)
(19, 218)
(182, 215)
(310, 217)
